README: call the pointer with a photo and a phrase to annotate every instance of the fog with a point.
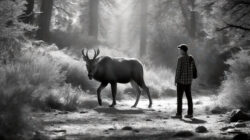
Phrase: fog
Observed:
(43, 73)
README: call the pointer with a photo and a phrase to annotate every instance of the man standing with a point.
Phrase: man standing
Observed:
(185, 72)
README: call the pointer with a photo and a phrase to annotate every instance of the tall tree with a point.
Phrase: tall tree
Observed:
(189, 16)
(193, 24)
(93, 18)
(43, 32)
(143, 26)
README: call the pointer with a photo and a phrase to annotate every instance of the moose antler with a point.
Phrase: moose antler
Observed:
(96, 53)
(85, 55)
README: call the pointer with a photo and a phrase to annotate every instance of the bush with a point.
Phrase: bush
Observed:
(53, 69)
(160, 81)
(65, 98)
(30, 76)
(14, 114)
(235, 88)
(75, 69)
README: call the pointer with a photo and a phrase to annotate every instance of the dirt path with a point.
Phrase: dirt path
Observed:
(138, 123)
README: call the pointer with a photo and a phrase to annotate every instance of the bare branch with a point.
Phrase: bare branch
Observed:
(233, 26)
(240, 2)
(60, 8)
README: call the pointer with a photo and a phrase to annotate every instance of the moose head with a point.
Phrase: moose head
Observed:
(91, 64)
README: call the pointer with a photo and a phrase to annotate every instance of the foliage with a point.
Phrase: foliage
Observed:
(12, 30)
(240, 20)
(65, 14)
(10, 26)
(37, 79)
(65, 97)
(72, 19)
(160, 81)
(31, 75)
(16, 83)
(235, 88)
(226, 18)
(74, 68)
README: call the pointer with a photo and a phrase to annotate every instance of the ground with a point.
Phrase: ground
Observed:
(94, 122)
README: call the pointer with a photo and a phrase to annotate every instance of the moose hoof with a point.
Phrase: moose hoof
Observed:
(149, 106)
(100, 102)
(112, 105)
(134, 106)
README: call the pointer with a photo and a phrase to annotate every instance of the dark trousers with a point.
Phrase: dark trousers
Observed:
(180, 90)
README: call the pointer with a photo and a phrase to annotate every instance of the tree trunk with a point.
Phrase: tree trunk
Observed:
(143, 27)
(93, 18)
(192, 19)
(189, 18)
(43, 32)
(28, 15)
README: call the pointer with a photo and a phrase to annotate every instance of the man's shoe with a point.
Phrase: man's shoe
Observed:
(188, 116)
(176, 117)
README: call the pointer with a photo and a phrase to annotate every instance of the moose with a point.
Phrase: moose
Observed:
(112, 70)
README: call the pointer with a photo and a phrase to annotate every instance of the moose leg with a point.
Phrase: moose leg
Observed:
(114, 90)
(136, 87)
(145, 89)
(101, 87)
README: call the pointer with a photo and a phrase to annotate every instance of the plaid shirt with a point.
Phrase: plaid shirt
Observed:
(184, 70)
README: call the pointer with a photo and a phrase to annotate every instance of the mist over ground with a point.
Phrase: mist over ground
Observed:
(42, 68)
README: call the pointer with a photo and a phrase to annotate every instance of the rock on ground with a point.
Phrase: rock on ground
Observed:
(201, 129)
(241, 136)
(238, 115)
(127, 128)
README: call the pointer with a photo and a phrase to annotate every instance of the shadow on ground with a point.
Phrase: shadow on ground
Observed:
(166, 135)
(118, 111)
(91, 104)
(194, 121)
